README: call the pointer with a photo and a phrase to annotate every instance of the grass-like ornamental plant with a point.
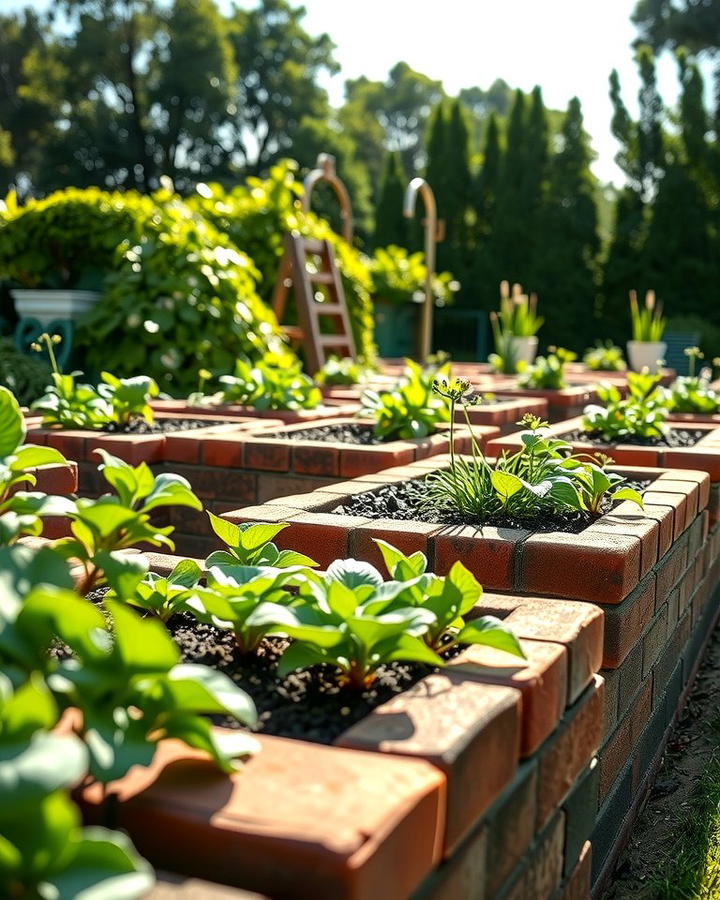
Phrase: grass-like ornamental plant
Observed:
(605, 357)
(409, 410)
(72, 404)
(517, 317)
(648, 324)
(21, 512)
(547, 372)
(543, 478)
(276, 382)
(642, 414)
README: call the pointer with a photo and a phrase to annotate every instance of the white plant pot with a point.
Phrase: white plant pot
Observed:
(646, 355)
(525, 348)
(50, 305)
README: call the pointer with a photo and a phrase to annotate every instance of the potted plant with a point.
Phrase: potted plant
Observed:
(57, 251)
(647, 349)
(515, 329)
(399, 291)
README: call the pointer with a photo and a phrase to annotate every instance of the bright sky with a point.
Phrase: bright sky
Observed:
(566, 46)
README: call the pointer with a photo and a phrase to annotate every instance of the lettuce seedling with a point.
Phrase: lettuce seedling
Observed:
(120, 520)
(642, 414)
(128, 398)
(164, 597)
(251, 544)
(410, 410)
(21, 511)
(450, 599)
(273, 383)
(547, 372)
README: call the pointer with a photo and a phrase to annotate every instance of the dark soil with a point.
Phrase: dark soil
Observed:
(350, 433)
(308, 704)
(677, 437)
(161, 426)
(408, 502)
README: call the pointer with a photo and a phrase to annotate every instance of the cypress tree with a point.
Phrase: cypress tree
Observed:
(453, 252)
(436, 168)
(624, 268)
(391, 227)
(509, 230)
(485, 273)
(568, 246)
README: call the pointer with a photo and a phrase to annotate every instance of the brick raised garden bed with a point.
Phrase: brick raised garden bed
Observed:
(703, 456)
(332, 408)
(489, 779)
(250, 467)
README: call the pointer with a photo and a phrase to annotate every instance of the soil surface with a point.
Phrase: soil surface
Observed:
(348, 433)
(308, 704)
(690, 748)
(161, 426)
(677, 437)
(408, 501)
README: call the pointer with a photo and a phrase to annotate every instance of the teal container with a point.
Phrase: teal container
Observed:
(396, 328)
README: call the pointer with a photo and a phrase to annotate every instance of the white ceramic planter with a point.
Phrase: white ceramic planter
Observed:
(646, 354)
(49, 305)
(525, 348)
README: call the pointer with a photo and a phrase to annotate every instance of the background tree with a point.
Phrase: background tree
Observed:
(688, 23)
(391, 226)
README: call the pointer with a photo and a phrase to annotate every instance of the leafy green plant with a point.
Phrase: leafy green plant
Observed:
(251, 544)
(21, 511)
(543, 478)
(399, 277)
(121, 520)
(450, 599)
(642, 414)
(648, 324)
(547, 372)
(350, 619)
(70, 404)
(181, 296)
(45, 851)
(164, 596)
(692, 393)
(604, 358)
(345, 371)
(410, 410)
(275, 382)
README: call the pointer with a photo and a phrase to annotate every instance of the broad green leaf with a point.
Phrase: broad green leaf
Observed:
(32, 769)
(123, 571)
(467, 584)
(490, 632)
(228, 533)
(142, 645)
(505, 484)
(417, 562)
(12, 423)
(171, 490)
(202, 689)
(628, 494)
(31, 455)
(252, 537)
(353, 573)
(186, 573)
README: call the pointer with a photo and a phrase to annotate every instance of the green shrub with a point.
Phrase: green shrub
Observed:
(642, 414)
(24, 375)
(68, 239)
(399, 277)
(255, 215)
(411, 409)
(604, 358)
(547, 372)
(182, 298)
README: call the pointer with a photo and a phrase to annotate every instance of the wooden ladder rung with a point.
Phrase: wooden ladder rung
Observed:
(327, 309)
(321, 278)
(313, 246)
(334, 340)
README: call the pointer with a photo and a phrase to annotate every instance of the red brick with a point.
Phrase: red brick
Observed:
(626, 519)
(678, 502)
(510, 829)
(624, 623)
(691, 491)
(265, 513)
(577, 886)
(223, 452)
(701, 456)
(488, 552)
(618, 750)
(72, 444)
(133, 449)
(569, 750)
(406, 536)
(56, 479)
(183, 447)
(368, 460)
(322, 536)
(665, 517)
(543, 872)
(271, 485)
(314, 458)
(578, 626)
(461, 726)
(363, 825)
(268, 455)
(541, 679)
(670, 570)
(600, 568)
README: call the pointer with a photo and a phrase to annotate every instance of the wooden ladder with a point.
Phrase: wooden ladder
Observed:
(313, 305)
